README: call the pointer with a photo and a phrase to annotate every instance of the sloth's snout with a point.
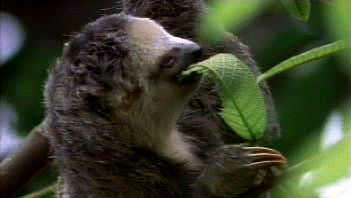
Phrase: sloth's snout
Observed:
(192, 53)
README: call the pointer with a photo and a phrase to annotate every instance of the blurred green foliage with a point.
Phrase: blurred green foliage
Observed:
(227, 15)
(298, 8)
(305, 97)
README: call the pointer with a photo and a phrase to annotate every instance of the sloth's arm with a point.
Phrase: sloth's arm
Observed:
(228, 163)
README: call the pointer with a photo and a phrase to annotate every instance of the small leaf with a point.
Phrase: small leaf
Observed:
(314, 54)
(298, 8)
(243, 103)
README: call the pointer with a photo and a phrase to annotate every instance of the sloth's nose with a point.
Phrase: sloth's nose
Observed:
(192, 54)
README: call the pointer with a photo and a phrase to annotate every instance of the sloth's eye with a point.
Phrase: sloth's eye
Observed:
(171, 58)
(169, 62)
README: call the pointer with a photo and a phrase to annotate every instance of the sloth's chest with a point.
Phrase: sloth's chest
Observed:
(174, 146)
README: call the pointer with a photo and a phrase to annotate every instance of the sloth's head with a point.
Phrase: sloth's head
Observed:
(177, 16)
(129, 63)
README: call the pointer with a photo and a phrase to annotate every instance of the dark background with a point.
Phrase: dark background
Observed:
(305, 97)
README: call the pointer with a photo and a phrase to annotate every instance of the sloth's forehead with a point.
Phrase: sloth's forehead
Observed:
(147, 31)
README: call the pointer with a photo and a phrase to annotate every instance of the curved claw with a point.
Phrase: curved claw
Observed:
(266, 156)
(261, 150)
(266, 164)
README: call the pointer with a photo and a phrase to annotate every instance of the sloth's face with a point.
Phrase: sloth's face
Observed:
(161, 57)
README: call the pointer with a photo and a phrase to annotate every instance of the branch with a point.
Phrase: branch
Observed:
(43, 192)
(17, 169)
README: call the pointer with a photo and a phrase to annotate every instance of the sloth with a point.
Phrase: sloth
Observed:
(112, 105)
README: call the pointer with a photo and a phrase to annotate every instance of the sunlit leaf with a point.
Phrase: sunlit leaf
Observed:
(298, 8)
(243, 103)
(346, 111)
(330, 166)
(325, 167)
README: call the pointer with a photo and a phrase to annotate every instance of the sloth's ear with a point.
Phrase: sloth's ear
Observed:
(75, 46)
(72, 53)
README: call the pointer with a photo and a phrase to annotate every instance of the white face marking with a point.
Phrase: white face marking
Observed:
(175, 39)
(151, 40)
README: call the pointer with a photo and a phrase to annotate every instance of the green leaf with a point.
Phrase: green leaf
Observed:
(298, 8)
(243, 103)
(314, 54)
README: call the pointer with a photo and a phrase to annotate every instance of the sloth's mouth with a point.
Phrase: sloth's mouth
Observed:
(188, 79)
(189, 58)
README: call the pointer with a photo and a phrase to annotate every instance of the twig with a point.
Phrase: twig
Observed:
(41, 193)
(17, 169)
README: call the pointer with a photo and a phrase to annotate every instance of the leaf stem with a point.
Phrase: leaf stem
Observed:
(309, 56)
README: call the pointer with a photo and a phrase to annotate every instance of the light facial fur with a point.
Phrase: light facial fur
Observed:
(154, 116)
